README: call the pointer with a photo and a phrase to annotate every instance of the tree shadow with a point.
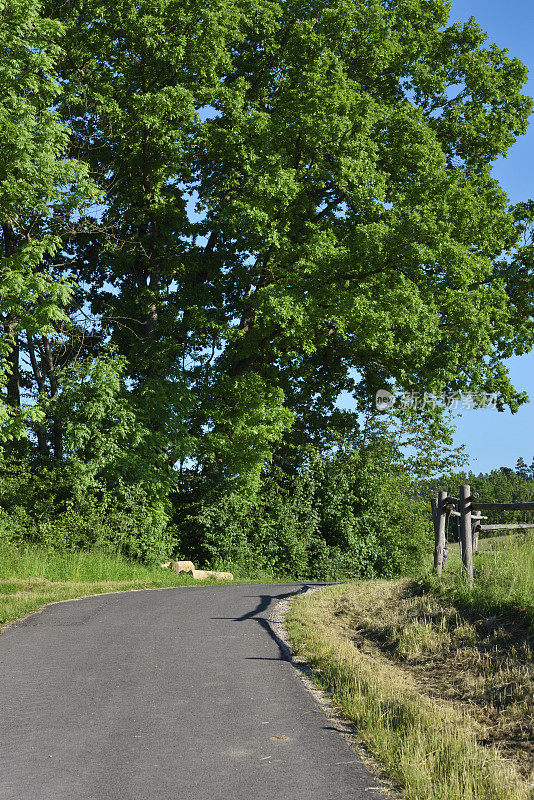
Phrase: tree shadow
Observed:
(266, 601)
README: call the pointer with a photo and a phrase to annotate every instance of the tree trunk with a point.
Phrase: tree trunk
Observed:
(40, 429)
(13, 383)
(57, 429)
(11, 327)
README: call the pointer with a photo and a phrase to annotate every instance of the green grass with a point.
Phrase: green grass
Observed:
(36, 562)
(504, 576)
(31, 577)
(437, 677)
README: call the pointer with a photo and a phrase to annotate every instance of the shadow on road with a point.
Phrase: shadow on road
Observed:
(266, 601)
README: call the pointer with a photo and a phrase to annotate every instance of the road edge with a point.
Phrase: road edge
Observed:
(345, 727)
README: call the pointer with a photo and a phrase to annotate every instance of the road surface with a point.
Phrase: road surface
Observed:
(175, 694)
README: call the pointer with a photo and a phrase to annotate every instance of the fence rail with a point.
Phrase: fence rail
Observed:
(506, 526)
(463, 506)
(479, 506)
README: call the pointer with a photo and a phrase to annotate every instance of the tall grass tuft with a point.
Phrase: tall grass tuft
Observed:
(27, 561)
(504, 577)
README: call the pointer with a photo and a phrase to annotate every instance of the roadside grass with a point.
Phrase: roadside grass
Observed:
(32, 576)
(442, 698)
(504, 576)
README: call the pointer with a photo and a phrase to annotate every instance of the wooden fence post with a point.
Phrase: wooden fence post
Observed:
(476, 531)
(440, 517)
(434, 506)
(466, 534)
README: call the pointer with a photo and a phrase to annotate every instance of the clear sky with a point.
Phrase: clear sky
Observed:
(496, 439)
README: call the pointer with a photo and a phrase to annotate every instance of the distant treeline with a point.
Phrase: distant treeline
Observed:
(505, 484)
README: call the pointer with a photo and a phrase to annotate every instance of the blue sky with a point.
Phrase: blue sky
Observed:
(494, 439)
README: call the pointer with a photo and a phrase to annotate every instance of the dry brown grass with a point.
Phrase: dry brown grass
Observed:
(486, 663)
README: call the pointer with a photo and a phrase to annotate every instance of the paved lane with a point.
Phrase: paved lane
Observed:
(177, 694)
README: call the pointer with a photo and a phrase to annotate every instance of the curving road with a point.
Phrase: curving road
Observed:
(175, 694)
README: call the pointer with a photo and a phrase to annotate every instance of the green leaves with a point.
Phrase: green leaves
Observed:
(248, 418)
(40, 191)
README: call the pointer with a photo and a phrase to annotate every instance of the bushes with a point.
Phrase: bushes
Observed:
(46, 507)
(110, 487)
(355, 512)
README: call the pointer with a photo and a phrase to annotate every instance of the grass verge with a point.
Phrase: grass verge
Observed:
(368, 644)
(504, 577)
(31, 577)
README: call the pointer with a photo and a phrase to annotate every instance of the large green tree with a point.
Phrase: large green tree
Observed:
(296, 201)
(299, 202)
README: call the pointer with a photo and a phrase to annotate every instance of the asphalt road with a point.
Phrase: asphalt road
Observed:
(177, 694)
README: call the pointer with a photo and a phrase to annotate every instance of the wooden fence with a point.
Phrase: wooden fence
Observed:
(467, 508)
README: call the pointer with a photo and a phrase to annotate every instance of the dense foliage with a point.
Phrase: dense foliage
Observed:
(358, 511)
(217, 217)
